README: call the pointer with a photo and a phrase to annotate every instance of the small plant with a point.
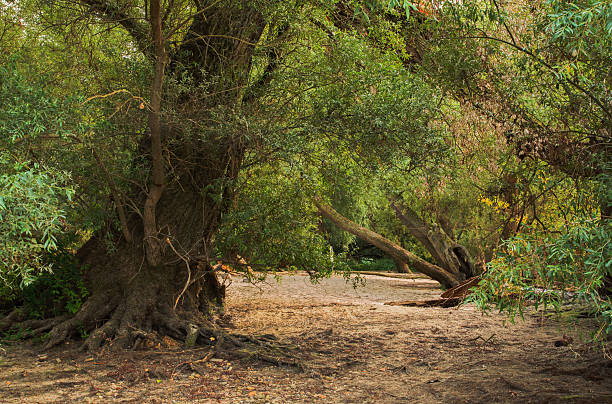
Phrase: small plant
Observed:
(56, 292)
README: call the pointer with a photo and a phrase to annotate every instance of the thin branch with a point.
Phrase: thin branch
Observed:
(186, 260)
(118, 202)
(543, 63)
(153, 248)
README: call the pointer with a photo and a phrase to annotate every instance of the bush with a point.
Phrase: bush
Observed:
(372, 264)
(60, 290)
(551, 270)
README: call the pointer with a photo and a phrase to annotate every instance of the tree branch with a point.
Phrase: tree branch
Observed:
(433, 271)
(113, 12)
(153, 245)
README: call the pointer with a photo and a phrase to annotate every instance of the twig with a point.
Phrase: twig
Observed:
(486, 341)
(206, 357)
(188, 271)
(116, 92)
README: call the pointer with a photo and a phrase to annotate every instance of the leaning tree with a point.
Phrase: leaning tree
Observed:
(542, 85)
(167, 134)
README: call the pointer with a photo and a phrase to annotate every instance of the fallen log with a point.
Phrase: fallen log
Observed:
(462, 290)
(452, 297)
(393, 275)
(427, 303)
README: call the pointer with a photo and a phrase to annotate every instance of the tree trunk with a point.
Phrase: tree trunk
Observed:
(135, 300)
(401, 266)
(447, 279)
(447, 254)
(161, 283)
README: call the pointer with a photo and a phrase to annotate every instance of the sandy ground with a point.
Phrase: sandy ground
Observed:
(351, 347)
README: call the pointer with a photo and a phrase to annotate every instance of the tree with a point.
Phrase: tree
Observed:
(163, 112)
(448, 275)
(157, 275)
(216, 86)
(540, 72)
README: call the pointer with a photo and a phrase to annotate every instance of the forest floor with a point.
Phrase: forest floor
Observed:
(351, 347)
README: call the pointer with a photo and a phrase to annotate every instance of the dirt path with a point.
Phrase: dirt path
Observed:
(353, 349)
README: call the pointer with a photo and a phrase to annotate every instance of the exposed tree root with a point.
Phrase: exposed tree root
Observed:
(14, 317)
(30, 328)
(142, 311)
(123, 330)
(451, 298)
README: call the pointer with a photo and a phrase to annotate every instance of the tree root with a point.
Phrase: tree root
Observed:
(118, 332)
(14, 317)
(84, 320)
(143, 320)
(31, 328)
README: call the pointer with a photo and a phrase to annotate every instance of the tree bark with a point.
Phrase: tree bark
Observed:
(151, 240)
(447, 279)
(401, 266)
(161, 283)
(447, 254)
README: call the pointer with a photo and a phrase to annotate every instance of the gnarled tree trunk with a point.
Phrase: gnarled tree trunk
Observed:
(447, 253)
(159, 282)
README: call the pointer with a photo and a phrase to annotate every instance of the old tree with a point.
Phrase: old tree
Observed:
(155, 138)
(147, 114)
(185, 143)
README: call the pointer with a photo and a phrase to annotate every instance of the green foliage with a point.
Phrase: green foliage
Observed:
(59, 291)
(273, 225)
(569, 263)
(583, 24)
(372, 264)
(408, 6)
(32, 215)
(34, 198)
(352, 111)
(550, 270)
(27, 109)
(46, 142)
(358, 120)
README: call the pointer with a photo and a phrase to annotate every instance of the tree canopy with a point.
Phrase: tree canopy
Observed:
(156, 142)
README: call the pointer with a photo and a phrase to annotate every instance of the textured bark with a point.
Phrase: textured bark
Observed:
(151, 240)
(133, 300)
(446, 278)
(161, 282)
(447, 254)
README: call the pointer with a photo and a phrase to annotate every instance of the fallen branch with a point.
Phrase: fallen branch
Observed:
(392, 275)
(427, 303)
(450, 298)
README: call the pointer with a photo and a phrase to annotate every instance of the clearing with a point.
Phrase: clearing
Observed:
(351, 347)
